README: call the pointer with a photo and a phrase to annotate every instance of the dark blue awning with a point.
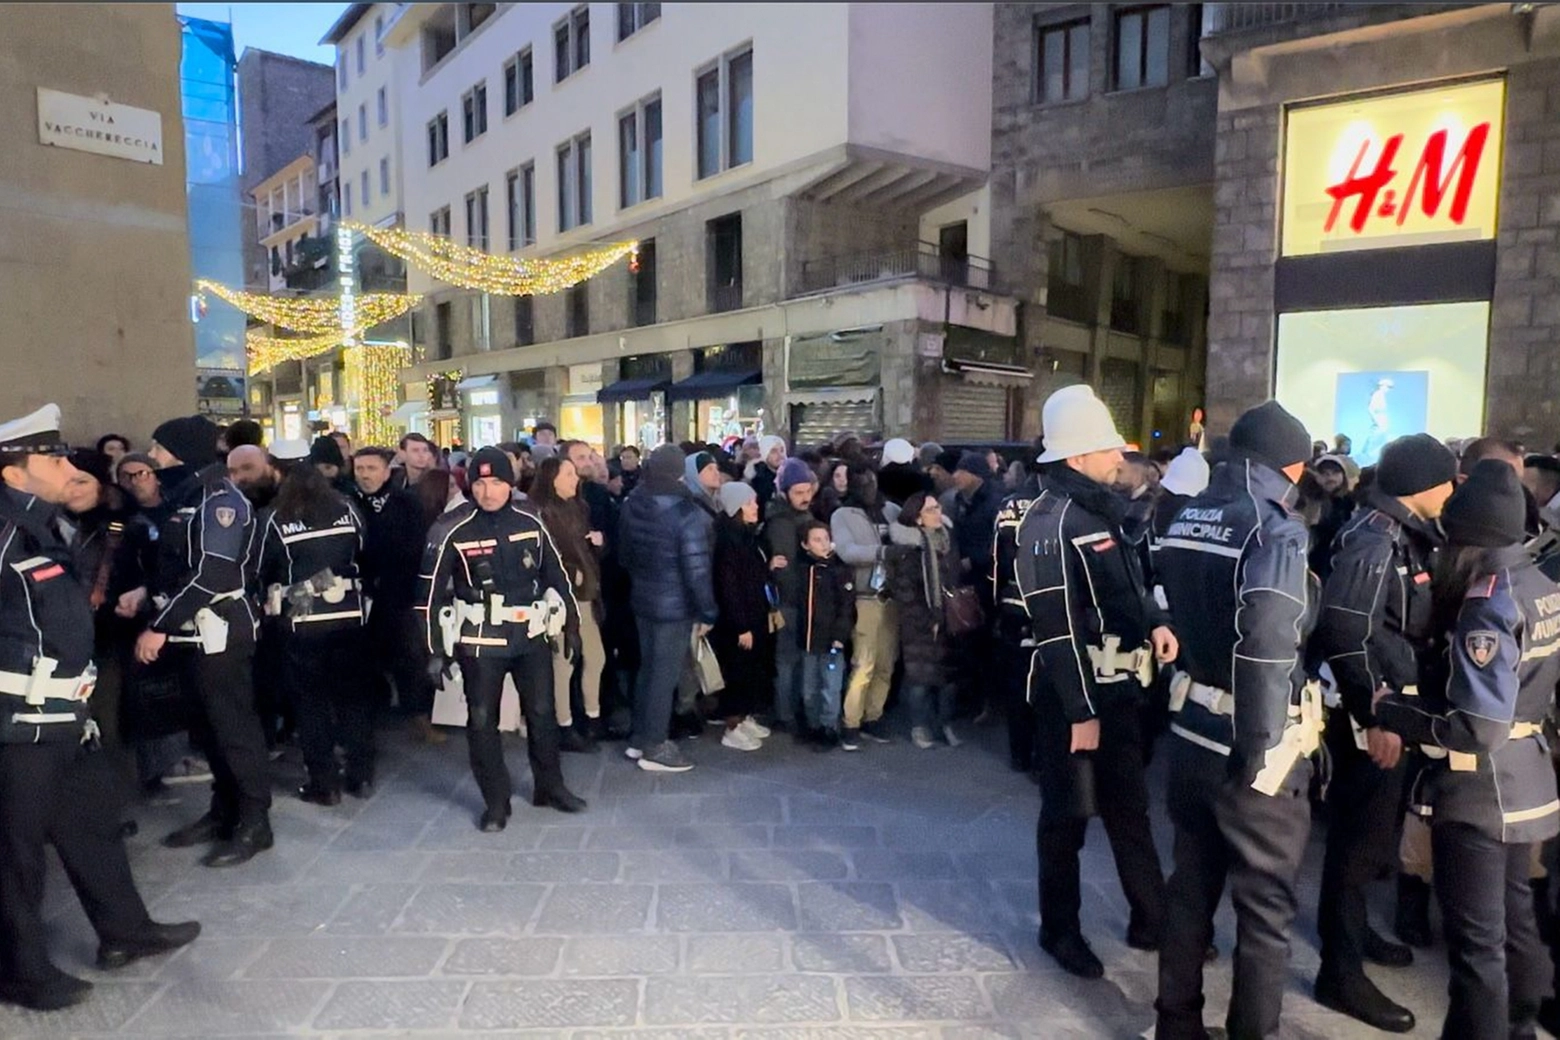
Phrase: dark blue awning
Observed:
(631, 390)
(705, 385)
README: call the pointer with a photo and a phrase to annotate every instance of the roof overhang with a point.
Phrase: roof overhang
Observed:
(873, 178)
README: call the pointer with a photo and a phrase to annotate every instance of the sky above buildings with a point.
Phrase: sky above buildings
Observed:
(293, 29)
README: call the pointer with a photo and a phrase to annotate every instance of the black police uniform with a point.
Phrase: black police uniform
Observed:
(488, 566)
(53, 789)
(1374, 621)
(1489, 789)
(1083, 589)
(393, 540)
(1233, 567)
(1015, 640)
(204, 549)
(309, 577)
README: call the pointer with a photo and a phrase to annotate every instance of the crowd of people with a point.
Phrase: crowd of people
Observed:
(1230, 598)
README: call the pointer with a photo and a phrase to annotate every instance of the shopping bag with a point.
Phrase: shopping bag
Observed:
(706, 667)
(449, 704)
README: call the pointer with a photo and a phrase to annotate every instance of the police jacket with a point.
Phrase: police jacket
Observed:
(393, 539)
(1012, 618)
(203, 553)
(44, 617)
(1375, 612)
(1233, 567)
(486, 564)
(666, 542)
(1486, 687)
(297, 555)
(1080, 583)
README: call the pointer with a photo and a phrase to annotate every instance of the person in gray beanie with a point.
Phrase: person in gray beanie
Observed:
(1374, 620)
(741, 637)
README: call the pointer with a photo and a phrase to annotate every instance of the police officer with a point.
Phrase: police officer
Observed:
(1233, 567)
(310, 545)
(53, 788)
(203, 615)
(1015, 641)
(494, 591)
(1097, 636)
(1374, 621)
(1489, 789)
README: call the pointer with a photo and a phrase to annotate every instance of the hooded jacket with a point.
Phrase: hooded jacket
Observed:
(921, 571)
(666, 543)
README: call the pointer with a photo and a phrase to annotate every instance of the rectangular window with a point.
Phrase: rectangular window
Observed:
(520, 200)
(634, 17)
(577, 309)
(642, 285)
(341, 71)
(439, 139)
(346, 137)
(630, 160)
(724, 262)
(574, 183)
(439, 222)
(525, 321)
(383, 98)
(362, 54)
(1124, 309)
(725, 141)
(1201, 22)
(477, 219)
(346, 198)
(474, 112)
(1065, 295)
(1062, 58)
(1142, 47)
(518, 88)
(363, 121)
(571, 44)
(444, 332)
(639, 153)
(582, 171)
(384, 175)
(379, 35)
(364, 183)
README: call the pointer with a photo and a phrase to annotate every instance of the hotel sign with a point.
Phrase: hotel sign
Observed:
(100, 126)
(1407, 169)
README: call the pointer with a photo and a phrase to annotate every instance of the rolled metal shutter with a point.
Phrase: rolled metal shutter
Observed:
(820, 422)
(972, 413)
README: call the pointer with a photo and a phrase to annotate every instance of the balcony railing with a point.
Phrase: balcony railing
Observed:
(1235, 17)
(920, 261)
(725, 298)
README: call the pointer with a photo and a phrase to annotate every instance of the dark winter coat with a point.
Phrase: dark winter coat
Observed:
(923, 642)
(828, 604)
(974, 530)
(899, 480)
(765, 487)
(741, 571)
(569, 524)
(665, 543)
(393, 545)
(783, 537)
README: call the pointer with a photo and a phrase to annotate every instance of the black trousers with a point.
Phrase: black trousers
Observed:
(483, 678)
(327, 679)
(400, 647)
(61, 794)
(1121, 801)
(1015, 667)
(219, 696)
(276, 709)
(1500, 969)
(1364, 827)
(1225, 830)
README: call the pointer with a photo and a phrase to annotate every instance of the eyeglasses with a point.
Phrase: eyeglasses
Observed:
(140, 474)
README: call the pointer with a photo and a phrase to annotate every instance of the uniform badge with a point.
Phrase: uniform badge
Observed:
(225, 515)
(528, 560)
(1481, 647)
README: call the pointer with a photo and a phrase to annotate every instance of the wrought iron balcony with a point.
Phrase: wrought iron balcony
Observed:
(920, 261)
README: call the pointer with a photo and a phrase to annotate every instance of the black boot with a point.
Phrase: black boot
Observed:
(494, 820)
(320, 794)
(248, 841)
(1413, 912)
(572, 740)
(1072, 952)
(1356, 996)
(562, 799)
(203, 831)
(54, 993)
(153, 940)
(1381, 950)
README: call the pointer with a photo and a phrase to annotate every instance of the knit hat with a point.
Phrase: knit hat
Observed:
(93, 463)
(325, 451)
(663, 470)
(973, 462)
(769, 444)
(1489, 510)
(490, 462)
(1413, 464)
(947, 460)
(734, 496)
(795, 472)
(1076, 423)
(192, 440)
(1272, 436)
(897, 452)
(928, 452)
(1187, 474)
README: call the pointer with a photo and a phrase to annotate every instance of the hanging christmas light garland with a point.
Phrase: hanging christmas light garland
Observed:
(469, 268)
(318, 314)
(267, 351)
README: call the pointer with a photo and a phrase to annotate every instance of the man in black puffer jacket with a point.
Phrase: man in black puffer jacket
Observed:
(665, 542)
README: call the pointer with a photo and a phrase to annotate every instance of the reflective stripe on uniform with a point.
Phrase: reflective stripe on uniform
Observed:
(1200, 740)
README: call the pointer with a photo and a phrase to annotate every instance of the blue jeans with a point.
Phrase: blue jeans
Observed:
(823, 677)
(930, 706)
(788, 669)
(663, 647)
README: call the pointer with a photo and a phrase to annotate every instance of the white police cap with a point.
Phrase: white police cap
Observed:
(35, 434)
(289, 450)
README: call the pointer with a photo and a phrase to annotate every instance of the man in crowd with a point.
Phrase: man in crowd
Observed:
(418, 458)
(255, 473)
(55, 788)
(137, 476)
(544, 435)
(326, 456)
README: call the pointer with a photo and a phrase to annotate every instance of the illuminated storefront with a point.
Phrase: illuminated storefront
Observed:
(637, 401)
(580, 413)
(725, 394)
(1387, 262)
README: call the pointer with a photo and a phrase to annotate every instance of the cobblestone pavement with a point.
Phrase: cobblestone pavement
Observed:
(885, 895)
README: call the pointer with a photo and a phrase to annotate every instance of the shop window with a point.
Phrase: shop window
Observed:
(1142, 44)
(577, 310)
(1062, 58)
(724, 243)
(643, 285)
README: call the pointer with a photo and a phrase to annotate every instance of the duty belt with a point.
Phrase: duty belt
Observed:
(190, 633)
(1467, 762)
(1301, 738)
(1113, 665)
(43, 685)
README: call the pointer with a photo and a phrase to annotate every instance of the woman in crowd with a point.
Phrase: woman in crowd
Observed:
(701, 474)
(835, 486)
(922, 571)
(438, 494)
(860, 529)
(741, 637)
(556, 500)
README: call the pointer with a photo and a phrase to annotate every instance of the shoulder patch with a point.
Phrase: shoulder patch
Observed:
(225, 515)
(1481, 646)
(1483, 588)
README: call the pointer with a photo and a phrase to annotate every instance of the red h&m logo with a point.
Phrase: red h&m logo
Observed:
(1426, 185)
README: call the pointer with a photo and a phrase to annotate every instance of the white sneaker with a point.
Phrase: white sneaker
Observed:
(922, 738)
(633, 754)
(739, 739)
(753, 728)
(951, 737)
(188, 770)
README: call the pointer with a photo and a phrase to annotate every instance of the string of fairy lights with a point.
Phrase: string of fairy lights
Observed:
(372, 370)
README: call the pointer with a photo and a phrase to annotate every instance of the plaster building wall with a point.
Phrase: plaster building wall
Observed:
(94, 250)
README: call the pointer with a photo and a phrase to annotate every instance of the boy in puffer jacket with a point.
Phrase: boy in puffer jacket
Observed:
(828, 613)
